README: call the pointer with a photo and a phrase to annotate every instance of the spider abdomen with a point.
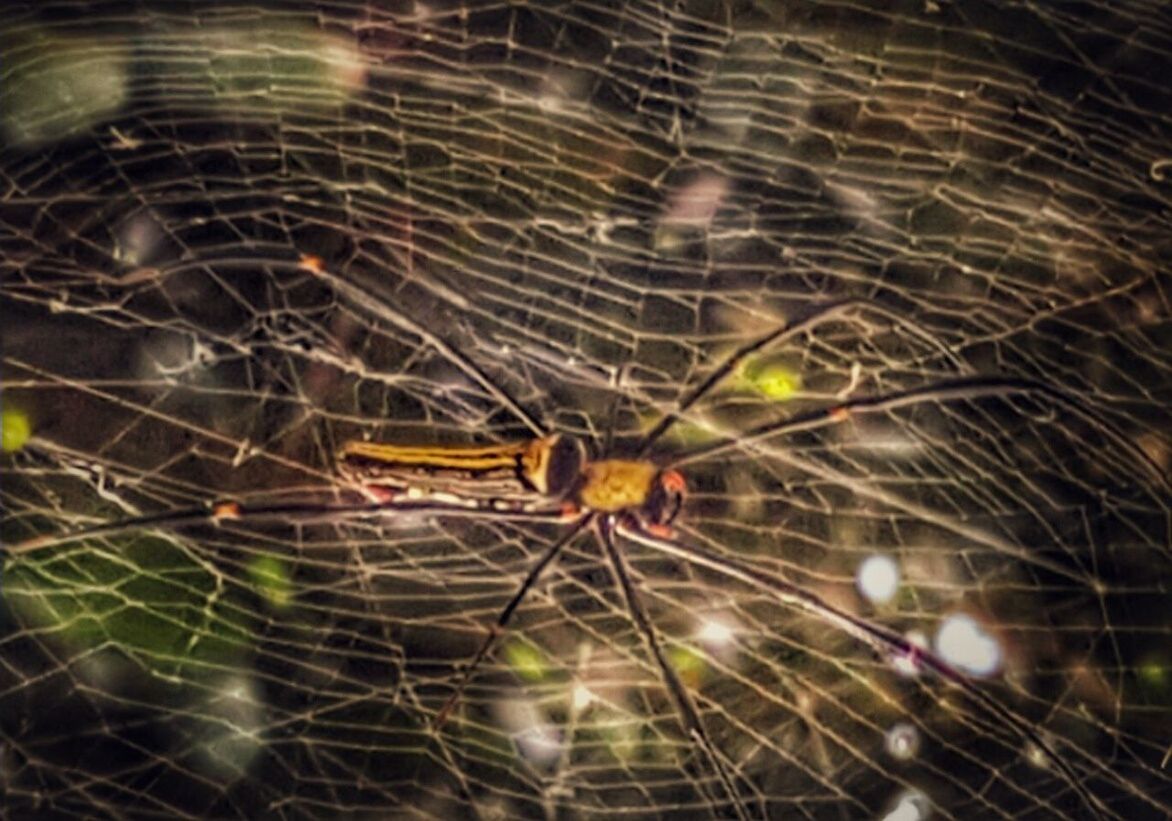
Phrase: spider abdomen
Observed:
(531, 471)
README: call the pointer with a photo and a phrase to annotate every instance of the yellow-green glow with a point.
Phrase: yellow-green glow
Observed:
(14, 430)
(689, 664)
(771, 379)
(526, 661)
(271, 577)
(1154, 672)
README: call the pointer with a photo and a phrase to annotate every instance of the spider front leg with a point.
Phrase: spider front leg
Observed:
(778, 336)
(968, 389)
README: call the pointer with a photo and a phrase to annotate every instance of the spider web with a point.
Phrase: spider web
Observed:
(234, 239)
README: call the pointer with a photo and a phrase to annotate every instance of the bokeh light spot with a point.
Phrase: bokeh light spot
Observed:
(902, 741)
(964, 644)
(909, 806)
(15, 430)
(714, 633)
(878, 578)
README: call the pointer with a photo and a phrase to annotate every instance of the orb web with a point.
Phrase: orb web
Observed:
(233, 239)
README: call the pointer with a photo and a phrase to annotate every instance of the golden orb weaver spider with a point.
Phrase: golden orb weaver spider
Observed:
(551, 478)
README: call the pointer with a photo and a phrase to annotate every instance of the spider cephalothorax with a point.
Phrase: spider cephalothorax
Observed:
(636, 488)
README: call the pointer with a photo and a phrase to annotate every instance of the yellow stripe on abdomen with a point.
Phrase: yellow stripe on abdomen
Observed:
(459, 458)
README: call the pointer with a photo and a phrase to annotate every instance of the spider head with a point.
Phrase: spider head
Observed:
(665, 499)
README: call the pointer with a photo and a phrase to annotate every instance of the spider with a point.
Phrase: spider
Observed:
(552, 478)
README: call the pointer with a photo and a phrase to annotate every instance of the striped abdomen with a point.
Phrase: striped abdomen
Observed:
(540, 469)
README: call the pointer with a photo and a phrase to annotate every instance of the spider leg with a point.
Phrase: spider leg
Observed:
(506, 613)
(685, 708)
(359, 294)
(966, 389)
(779, 336)
(881, 638)
(302, 512)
